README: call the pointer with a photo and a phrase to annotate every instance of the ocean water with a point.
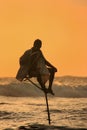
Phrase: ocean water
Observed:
(66, 86)
(19, 111)
(22, 103)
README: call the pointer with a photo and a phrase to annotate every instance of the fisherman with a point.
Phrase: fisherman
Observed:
(38, 66)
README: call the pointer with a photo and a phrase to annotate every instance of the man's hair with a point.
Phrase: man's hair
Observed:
(37, 43)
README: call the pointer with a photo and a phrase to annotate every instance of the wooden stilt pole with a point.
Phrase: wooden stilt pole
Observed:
(35, 84)
(48, 111)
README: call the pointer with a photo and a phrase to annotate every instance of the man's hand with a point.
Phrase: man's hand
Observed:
(55, 69)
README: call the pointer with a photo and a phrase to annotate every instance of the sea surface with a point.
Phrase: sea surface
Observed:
(22, 103)
(18, 111)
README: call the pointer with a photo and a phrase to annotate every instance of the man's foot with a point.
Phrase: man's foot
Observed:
(45, 90)
(50, 91)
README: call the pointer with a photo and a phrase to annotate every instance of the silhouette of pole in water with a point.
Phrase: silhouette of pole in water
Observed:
(47, 108)
(48, 112)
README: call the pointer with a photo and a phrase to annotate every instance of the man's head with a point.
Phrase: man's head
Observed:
(37, 43)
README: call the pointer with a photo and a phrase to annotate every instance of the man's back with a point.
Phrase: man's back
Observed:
(25, 58)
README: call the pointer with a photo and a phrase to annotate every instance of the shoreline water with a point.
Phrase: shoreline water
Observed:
(21, 111)
(21, 104)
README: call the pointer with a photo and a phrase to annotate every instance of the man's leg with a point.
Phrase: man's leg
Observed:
(51, 78)
(39, 79)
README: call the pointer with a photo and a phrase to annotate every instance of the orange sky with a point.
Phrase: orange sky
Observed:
(60, 24)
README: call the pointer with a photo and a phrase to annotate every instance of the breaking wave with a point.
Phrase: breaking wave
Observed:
(66, 86)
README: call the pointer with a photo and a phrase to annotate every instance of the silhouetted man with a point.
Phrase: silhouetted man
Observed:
(38, 66)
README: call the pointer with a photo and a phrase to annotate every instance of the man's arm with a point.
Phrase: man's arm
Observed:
(48, 63)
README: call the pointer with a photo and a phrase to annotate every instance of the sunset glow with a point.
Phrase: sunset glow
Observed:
(60, 24)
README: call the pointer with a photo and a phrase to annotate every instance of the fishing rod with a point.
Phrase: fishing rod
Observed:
(48, 112)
